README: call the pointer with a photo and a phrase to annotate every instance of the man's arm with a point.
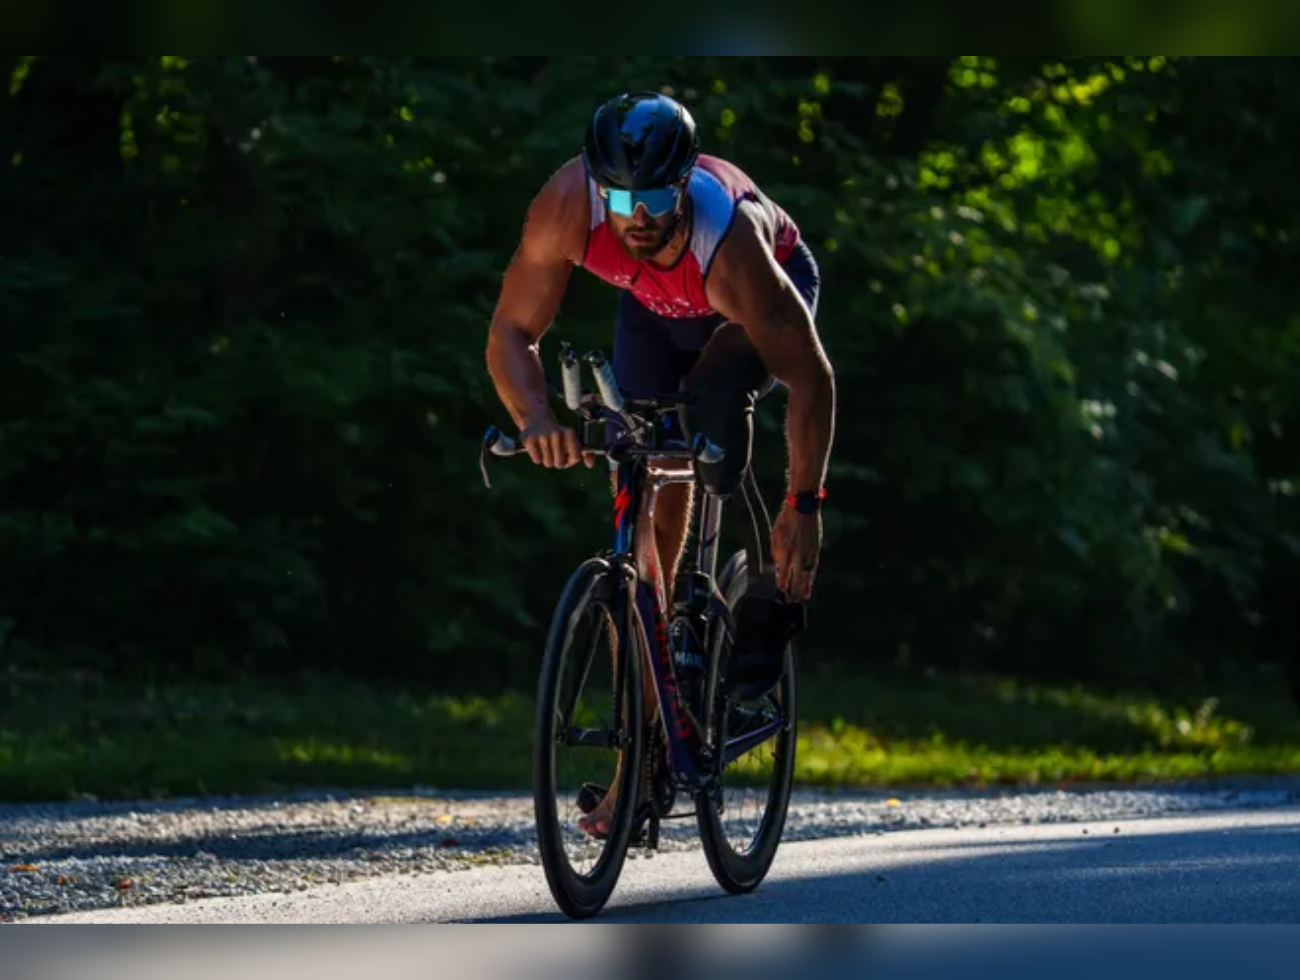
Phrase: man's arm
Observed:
(531, 291)
(747, 285)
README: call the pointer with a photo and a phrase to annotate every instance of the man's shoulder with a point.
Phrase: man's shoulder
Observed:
(566, 186)
(560, 211)
(570, 178)
(749, 210)
(732, 184)
(727, 171)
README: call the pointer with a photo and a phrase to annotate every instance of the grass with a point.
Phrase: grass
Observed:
(963, 731)
(63, 738)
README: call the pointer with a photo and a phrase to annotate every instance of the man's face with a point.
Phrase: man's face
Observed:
(643, 234)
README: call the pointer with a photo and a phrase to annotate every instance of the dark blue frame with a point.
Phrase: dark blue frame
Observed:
(682, 738)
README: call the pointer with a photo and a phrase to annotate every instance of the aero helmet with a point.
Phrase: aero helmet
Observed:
(639, 141)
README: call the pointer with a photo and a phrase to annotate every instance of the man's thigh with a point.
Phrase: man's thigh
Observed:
(646, 361)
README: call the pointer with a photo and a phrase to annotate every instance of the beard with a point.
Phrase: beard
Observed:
(664, 235)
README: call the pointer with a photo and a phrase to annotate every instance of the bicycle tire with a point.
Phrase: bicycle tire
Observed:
(584, 896)
(742, 872)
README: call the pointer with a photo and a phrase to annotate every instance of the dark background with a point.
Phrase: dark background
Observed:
(243, 308)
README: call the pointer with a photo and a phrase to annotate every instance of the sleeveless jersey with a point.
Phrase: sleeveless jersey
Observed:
(716, 189)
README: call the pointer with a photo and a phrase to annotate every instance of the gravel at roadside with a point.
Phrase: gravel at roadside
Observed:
(83, 856)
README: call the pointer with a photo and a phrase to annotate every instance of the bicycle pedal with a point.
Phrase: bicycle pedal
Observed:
(591, 796)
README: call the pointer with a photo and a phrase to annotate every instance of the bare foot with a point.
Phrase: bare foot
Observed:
(598, 822)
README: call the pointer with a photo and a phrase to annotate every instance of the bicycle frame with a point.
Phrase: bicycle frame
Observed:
(640, 472)
(639, 479)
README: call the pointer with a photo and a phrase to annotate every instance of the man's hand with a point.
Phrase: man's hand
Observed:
(796, 548)
(552, 445)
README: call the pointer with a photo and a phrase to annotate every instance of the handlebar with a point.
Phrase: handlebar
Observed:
(637, 415)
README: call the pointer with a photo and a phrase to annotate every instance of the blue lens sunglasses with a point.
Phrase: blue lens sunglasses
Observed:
(657, 201)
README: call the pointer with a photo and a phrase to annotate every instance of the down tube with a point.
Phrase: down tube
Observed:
(681, 733)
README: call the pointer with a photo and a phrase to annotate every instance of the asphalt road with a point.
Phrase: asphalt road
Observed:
(1223, 867)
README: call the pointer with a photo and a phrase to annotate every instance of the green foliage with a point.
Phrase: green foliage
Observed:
(245, 299)
(63, 738)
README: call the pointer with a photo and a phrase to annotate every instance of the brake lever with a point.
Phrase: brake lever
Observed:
(497, 443)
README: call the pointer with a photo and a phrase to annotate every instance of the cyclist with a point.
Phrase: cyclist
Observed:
(719, 295)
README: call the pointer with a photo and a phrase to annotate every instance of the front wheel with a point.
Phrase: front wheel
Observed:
(741, 825)
(588, 733)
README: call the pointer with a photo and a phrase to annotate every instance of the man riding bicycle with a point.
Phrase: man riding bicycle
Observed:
(719, 298)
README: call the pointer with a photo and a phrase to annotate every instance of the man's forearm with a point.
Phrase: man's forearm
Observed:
(810, 429)
(516, 370)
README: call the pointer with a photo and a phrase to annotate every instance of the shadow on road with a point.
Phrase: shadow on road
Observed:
(1249, 875)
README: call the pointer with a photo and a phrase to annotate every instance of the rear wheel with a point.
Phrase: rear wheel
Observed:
(589, 726)
(741, 825)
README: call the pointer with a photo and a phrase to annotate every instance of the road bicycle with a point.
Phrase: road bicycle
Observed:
(618, 627)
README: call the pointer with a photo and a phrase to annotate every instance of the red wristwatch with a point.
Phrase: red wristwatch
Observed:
(806, 503)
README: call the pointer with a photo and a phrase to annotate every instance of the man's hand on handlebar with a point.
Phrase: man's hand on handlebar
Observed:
(553, 445)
